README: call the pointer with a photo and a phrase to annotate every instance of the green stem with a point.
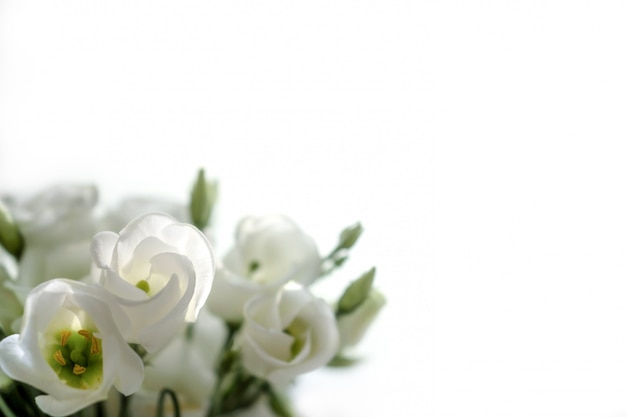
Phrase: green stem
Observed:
(225, 364)
(28, 394)
(6, 411)
(124, 405)
(161, 403)
(100, 410)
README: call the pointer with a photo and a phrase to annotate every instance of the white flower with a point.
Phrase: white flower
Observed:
(287, 334)
(160, 272)
(269, 251)
(71, 348)
(57, 225)
(186, 365)
(353, 325)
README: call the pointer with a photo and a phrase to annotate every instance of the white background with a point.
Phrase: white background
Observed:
(480, 143)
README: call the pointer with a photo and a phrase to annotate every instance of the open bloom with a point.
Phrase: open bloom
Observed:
(287, 334)
(57, 224)
(70, 348)
(269, 251)
(160, 272)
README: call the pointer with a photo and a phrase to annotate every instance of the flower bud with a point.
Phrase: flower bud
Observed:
(352, 326)
(349, 236)
(10, 237)
(356, 293)
(203, 197)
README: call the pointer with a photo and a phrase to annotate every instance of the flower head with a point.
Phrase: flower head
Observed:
(160, 272)
(71, 348)
(269, 251)
(287, 334)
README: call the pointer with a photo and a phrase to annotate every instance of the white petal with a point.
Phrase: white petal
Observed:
(102, 247)
(137, 230)
(65, 406)
(130, 372)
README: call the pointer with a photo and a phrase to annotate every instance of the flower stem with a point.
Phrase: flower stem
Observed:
(5, 408)
(161, 403)
(124, 405)
(227, 360)
(100, 411)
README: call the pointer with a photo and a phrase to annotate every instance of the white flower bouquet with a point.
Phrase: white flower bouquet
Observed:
(129, 312)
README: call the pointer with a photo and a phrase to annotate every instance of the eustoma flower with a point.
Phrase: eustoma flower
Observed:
(70, 347)
(287, 334)
(269, 251)
(160, 272)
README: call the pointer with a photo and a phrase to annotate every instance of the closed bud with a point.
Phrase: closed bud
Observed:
(352, 326)
(349, 236)
(203, 197)
(10, 237)
(356, 293)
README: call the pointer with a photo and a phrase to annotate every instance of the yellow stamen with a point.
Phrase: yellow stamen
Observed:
(78, 369)
(65, 334)
(95, 346)
(85, 333)
(58, 356)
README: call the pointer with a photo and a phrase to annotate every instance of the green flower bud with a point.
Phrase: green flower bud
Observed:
(349, 236)
(356, 293)
(352, 326)
(203, 197)
(10, 237)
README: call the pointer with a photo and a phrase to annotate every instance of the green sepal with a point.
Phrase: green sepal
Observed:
(356, 293)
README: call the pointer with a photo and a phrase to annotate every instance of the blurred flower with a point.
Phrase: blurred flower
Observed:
(57, 225)
(160, 272)
(10, 306)
(186, 365)
(269, 251)
(71, 348)
(11, 239)
(260, 408)
(287, 334)
(133, 207)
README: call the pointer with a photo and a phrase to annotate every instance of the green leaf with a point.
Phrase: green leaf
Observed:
(342, 362)
(356, 293)
(10, 237)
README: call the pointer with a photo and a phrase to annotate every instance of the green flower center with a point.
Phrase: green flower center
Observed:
(76, 357)
(298, 330)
